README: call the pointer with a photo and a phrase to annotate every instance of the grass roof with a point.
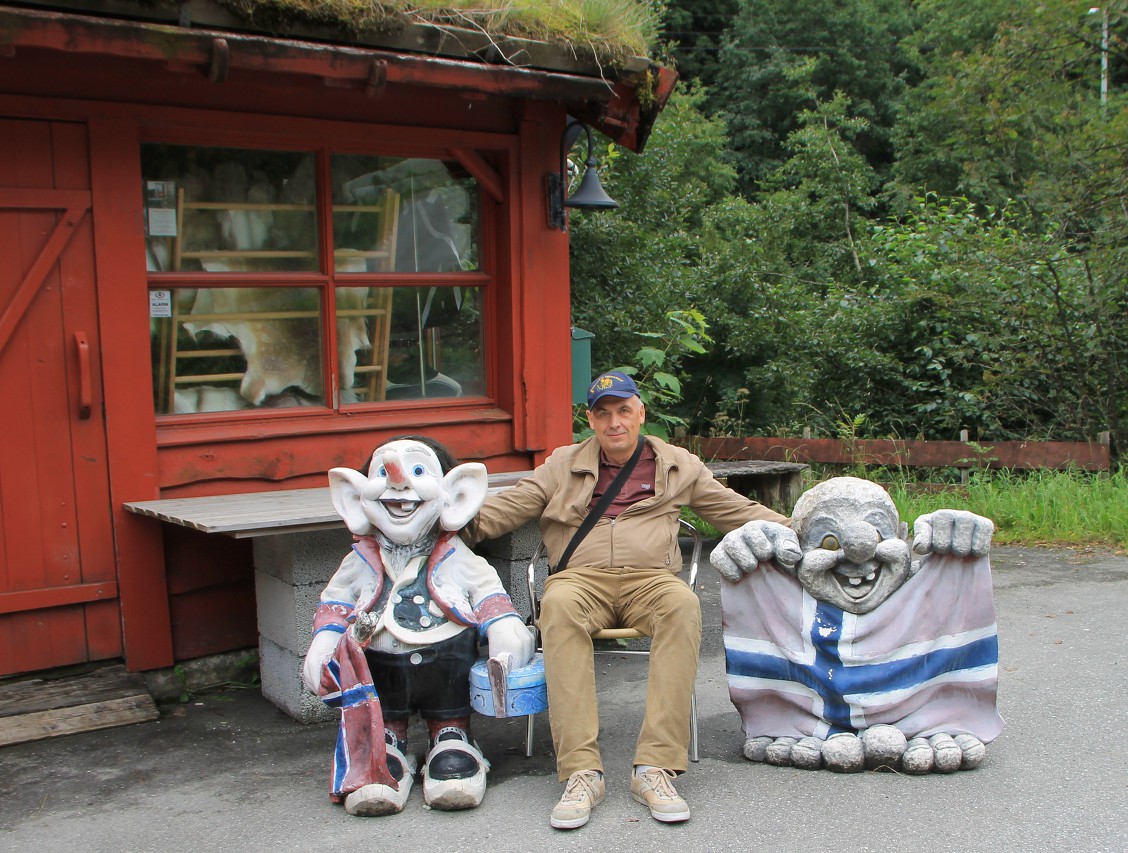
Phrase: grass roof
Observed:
(609, 30)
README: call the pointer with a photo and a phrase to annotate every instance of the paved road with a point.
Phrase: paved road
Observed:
(228, 771)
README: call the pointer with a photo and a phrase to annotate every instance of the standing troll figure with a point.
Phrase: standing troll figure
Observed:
(843, 651)
(398, 627)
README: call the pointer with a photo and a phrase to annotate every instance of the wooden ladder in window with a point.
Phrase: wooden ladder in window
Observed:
(375, 312)
(377, 308)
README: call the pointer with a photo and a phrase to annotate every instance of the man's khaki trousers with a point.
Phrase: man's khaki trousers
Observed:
(580, 601)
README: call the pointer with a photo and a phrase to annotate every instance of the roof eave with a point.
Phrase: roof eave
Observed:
(622, 103)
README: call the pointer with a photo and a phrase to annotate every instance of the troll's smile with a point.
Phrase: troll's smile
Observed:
(400, 509)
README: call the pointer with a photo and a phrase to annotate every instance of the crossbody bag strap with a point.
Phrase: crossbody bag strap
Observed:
(601, 507)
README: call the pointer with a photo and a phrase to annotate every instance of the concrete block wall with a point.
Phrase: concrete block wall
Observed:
(291, 569)
(510, 555)
(281, 680)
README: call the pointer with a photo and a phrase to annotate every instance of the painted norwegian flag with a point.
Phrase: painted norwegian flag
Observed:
(925, 660)
(361, 755)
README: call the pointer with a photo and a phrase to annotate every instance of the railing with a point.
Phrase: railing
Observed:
(1059, 455)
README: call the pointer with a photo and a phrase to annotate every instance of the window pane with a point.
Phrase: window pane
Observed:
(222, 349)
(229, 209)
(407, 343)
(404, 215)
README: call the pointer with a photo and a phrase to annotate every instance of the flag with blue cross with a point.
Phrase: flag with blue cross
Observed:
(925, 660)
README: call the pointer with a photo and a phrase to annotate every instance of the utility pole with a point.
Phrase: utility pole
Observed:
(1104, 50)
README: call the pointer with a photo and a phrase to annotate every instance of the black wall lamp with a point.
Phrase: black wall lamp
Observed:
(589, 195)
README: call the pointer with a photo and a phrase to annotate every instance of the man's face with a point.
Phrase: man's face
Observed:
(616, 422)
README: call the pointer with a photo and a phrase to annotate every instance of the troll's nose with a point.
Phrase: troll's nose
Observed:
(396, 476)
(859, 542)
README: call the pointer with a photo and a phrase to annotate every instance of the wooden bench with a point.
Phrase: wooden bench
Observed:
(774, 484)
(246, 516)
(243, 516)
(299, 540)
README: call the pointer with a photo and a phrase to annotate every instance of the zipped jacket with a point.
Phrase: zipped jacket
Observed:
(644, 535)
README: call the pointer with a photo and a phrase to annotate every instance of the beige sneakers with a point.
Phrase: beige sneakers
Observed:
(655, 791)
(585, 791)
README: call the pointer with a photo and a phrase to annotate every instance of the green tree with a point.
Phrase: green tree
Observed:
(992, 327)
(852, 47)
(633, 266)
(694, 30)
(1016, 123)
(774, 263)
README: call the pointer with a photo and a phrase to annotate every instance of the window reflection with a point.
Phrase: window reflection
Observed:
(229, 209)
(226, 349)
(410, 343)
(262, 345)
(403, 215)
(223, 349)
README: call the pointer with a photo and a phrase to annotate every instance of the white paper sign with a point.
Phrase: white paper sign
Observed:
(160, 208)
(162, 222)
(160, 303)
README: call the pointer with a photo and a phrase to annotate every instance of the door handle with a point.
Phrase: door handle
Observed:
(85, 393)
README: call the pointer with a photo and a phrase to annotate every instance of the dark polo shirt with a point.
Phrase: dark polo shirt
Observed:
(639, 485)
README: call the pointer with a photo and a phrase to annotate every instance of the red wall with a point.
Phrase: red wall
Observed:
(183, 594)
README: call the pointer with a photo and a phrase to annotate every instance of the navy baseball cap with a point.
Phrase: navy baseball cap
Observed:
(611, 384)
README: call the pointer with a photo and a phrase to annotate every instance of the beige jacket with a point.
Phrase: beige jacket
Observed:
(643, 535)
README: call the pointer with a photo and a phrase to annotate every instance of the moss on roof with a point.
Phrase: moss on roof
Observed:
(609, 30)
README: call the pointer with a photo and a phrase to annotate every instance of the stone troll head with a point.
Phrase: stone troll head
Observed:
(843, 651)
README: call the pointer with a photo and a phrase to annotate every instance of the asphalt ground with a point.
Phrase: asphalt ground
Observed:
(228, 771)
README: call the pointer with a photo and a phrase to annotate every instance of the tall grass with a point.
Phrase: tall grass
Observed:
(611, 29)
(1037, 507)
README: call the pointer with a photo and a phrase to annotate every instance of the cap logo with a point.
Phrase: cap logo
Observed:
(611, 384)
(602, 384)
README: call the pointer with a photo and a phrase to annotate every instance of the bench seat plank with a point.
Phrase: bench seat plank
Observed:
(263, 513)
(299, 510)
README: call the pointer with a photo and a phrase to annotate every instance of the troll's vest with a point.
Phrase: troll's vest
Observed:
(925, 660)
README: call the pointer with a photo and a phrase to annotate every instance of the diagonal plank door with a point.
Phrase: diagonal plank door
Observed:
(58, 590)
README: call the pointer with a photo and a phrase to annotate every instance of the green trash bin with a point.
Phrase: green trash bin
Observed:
(581, 364)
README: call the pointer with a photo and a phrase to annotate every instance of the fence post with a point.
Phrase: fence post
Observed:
(963, 470)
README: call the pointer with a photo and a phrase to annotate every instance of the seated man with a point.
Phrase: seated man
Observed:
(623, 573)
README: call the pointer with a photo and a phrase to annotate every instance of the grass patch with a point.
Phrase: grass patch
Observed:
(611, 30)
(1071, 508)
(1033, 508)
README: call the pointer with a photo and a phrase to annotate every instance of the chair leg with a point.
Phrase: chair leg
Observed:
(529, 736)
(693, 756)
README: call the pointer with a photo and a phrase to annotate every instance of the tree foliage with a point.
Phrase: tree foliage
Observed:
(779, 58)
(633, 266)
(896, 219)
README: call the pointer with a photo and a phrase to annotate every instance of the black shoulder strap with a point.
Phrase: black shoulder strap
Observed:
(601, 507)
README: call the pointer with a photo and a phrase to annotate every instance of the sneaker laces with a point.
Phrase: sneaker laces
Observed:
(659, 781)
(580, 784)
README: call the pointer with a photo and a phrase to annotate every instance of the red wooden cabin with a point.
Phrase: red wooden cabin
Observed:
(230, 261)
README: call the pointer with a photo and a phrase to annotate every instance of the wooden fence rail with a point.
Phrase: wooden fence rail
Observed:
(1089, 456)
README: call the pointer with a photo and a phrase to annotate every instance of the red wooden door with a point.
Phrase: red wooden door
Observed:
(58, 590)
